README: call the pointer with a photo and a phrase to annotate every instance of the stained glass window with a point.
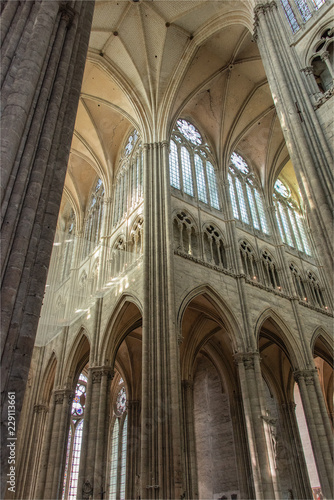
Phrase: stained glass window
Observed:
(93, 219)
(303, 9)
(318, 3)
(71, 474)
(290, 221)
(117, 481)
(290, 16)
(128, 187)
(189, 131)
(246, 201)
(190, 166)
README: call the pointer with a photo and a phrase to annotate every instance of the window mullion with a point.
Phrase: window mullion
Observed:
(194, 176)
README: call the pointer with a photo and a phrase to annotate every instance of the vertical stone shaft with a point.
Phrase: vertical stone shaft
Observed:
(311, 157)
(133, 451)
(161, 435)
(299, 474)
(251, 383)
(317, 431)
(191, 480)
(29, 242)
(102, 434)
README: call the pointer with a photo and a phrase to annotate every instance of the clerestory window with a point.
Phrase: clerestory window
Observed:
(301, 9)
(191, 164)
(93, 219)
(71, 475)
(246, 199)
(128, 188)
(290, 220)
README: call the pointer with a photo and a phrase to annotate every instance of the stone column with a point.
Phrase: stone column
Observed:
(93, 457)
(54, 447)
(322, 443)
(191, 480)
(133, 451)
(326, 58)
(301, 482)
(39, 99)
(161, 452)
(261, 459)
(305, 140)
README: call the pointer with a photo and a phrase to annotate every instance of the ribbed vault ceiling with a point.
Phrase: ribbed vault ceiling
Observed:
(152, 61)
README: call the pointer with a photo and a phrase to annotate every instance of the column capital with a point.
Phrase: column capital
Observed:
(247, 359)
(101, 371)
(40, 408)
(307, 375)
(324, 56)
(308, 70)
(63, 395)
(67, 13)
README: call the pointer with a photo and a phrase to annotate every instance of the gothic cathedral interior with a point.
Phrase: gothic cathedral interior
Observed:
(166, 249)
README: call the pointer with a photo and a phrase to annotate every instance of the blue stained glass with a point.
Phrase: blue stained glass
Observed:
(290, 16)
(212, 184)
(174, 166)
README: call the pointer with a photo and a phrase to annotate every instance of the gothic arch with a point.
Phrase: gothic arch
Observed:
(326, 351)
(224, 314)
(284, 337)
(77, 358)
(116, 331)
(49, 378)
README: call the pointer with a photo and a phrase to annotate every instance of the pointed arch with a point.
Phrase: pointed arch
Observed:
(283, 337)
(324, 349)
(77, 358)
(118, 327)
(225, 316)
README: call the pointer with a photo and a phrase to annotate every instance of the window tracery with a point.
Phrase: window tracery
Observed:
(248, 259)
(185, 234)
(316, 290)
(246, 199)
(117, 478)
(191, 164)
(214, 249)
(290, 221)
(299, 12)
(322, 61)
(128, 190)
(68, 245)
(298, 282)
(73, 450)
(93, 219)
(270, 271)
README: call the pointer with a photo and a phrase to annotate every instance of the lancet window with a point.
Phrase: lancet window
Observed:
(270, 271)
(214, 250)
(299, 12)
(118, 445)
(249, 261)
(191, 164)
(68, 245)
(185, 234)
(245, 194)
(93, 219)
(290, 220)
(128, 191)
(70, 484)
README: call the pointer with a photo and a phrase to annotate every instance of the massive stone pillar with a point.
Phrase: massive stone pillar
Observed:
(44, 46)
(258, 426)
(318, 427)
(299, 475)
(93, 456)
(305, 140)
(161, 438)
(53, 453)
